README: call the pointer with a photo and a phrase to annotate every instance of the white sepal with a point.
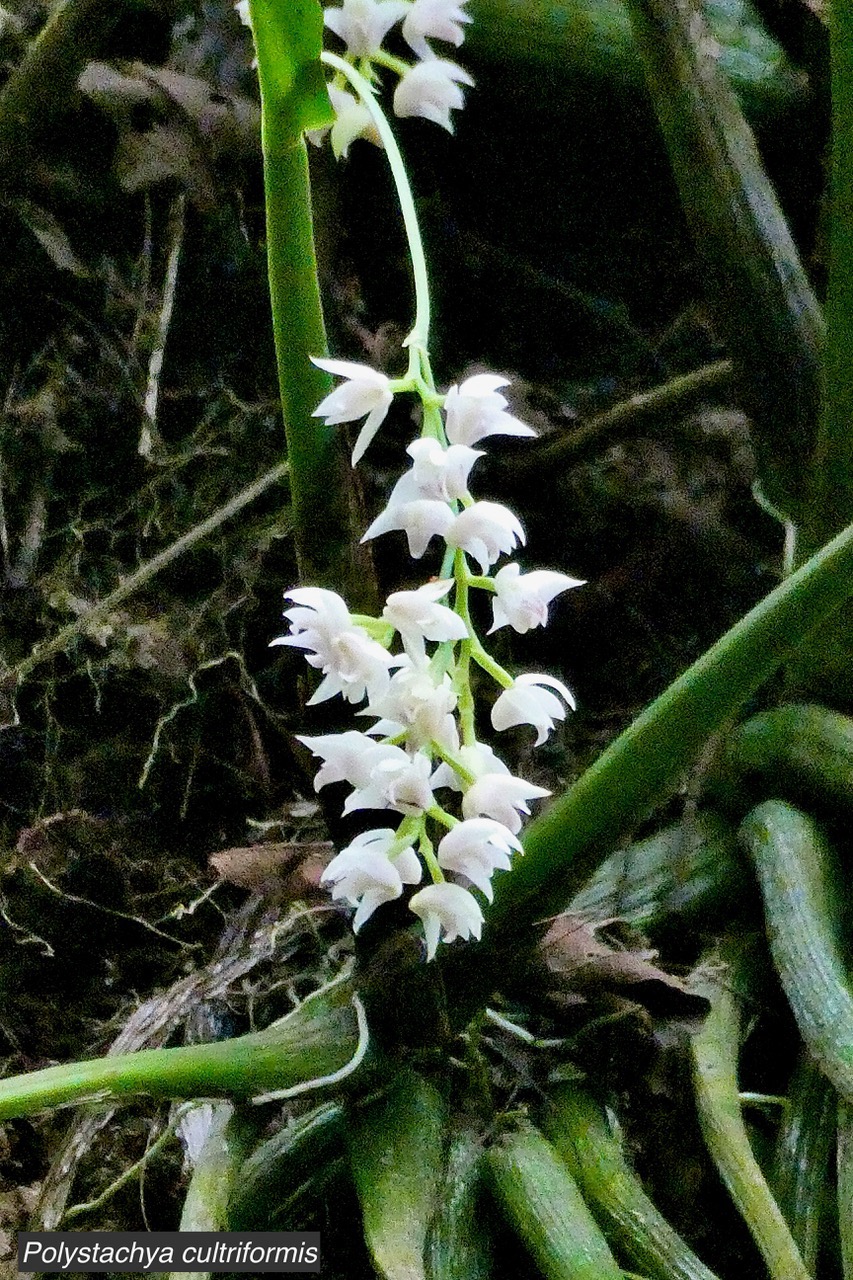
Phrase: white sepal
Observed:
(434, 20)
(418, 616)
(353, 664)
(502, 797)
(365, 877)
(478, 759)
(436, 472)
(397, 781)
(421, 520)
(418, 705)
(347, 757)
(352, 120)
(364, 24)
(365, 391)
(448, 911)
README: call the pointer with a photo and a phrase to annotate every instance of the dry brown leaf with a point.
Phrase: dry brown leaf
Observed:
(260, 867)
(573, 952)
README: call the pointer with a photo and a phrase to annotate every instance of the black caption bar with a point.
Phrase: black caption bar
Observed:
(116, 1251)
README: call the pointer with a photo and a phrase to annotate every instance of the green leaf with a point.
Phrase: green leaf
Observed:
(288, 41)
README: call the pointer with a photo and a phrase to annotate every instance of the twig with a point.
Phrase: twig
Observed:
(90, 1206)
(141, 576)
(149, 435)
(661, 399)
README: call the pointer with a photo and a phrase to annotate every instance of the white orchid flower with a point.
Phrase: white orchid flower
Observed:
(521, 599)
(347, 757)
(431, 90)
(365, 391)
(476, 848)
(477, 759)
(502, 797)
(448, 910)
(486, 531)
(437, 473)
(434, 20)
(418, 616)
(364, 24)
(352, 120)
(421, 520)
(365, 877)
(529, 700)
(397, 781)
(476, 410)
(419, 706)
(352, 663)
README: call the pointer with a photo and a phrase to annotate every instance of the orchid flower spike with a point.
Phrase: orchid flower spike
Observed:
(411, 666)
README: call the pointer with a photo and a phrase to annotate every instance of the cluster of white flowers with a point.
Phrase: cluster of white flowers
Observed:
(420, 758)
(429, 87)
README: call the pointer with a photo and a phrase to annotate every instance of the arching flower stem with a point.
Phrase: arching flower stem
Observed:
(418, 339)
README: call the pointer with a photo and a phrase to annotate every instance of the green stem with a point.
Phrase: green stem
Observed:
(326, 528)
(463, 666)
(832, 504)
(419, 337)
